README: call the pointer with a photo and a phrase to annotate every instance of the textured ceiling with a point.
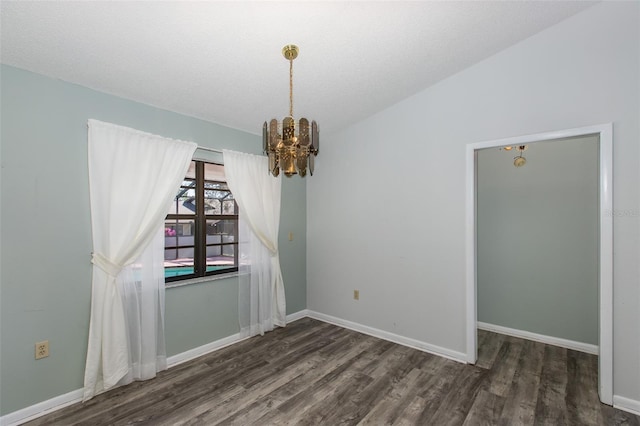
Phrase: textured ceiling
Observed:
(222, 61)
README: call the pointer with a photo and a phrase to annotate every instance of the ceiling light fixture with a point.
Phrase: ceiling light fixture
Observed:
(290, 146)
(520, 161)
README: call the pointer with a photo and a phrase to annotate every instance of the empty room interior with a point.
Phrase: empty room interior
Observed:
(320, 213)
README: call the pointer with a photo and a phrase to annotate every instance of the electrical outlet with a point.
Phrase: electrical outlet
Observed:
(356, 294)
(42, 349)
(290, 236)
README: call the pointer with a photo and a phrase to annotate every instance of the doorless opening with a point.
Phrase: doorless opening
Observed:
(605, 243)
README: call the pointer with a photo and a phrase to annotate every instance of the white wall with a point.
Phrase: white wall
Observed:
(411, 270)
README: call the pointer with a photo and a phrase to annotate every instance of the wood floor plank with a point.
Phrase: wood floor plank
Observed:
(314, 373)
(501, 374)
(520, 403)
(180, 394)
(412, 413)
(430, 395)
(355, 405)
(336, 400)
(125, 396)
(434, 364)
(204, 412)
(582, 405)
(456, 405)
(486, 409)
(300, 383)
(488, 346)
(436, 391)
(299, 404)
(614, 417)
(388, 410)
(551, 407)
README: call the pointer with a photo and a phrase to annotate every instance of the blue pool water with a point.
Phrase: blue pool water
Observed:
(176, 271)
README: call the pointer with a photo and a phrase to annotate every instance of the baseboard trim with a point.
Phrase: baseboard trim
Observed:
(626, 404)
(40, 409)
(56, 403)
(549, 340)
(391, 337)
(297, 315)
(183, 357)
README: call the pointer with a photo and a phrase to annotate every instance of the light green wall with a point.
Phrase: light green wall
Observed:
(46, 235)
(537, 239)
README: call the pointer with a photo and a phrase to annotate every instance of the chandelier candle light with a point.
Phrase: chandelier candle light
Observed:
(290, 146)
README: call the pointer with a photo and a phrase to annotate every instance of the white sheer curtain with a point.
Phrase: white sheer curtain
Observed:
(133, 177)
(261, 298)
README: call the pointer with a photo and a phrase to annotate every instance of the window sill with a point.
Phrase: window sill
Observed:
(199, 280)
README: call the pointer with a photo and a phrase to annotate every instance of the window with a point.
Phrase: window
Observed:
(201, 227)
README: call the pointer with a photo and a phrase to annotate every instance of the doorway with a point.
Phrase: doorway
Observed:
(605, 242)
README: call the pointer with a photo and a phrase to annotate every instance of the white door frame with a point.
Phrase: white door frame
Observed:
(605, 279)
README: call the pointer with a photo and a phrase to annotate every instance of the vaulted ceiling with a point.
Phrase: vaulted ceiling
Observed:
(222, 61)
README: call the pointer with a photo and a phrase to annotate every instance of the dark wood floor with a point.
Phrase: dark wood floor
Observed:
(313, 373)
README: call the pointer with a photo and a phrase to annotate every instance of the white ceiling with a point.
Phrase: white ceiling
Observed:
(222, 61)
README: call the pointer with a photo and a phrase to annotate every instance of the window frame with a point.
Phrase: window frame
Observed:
(200, 219)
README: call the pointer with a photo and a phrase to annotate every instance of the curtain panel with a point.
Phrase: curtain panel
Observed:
(261, 298)
(133, 178)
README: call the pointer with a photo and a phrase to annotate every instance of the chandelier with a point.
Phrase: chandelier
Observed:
(290, 145)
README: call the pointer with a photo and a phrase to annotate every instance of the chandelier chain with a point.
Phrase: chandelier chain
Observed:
(291, 87)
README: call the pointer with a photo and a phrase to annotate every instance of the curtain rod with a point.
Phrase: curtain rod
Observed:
(219, 151)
